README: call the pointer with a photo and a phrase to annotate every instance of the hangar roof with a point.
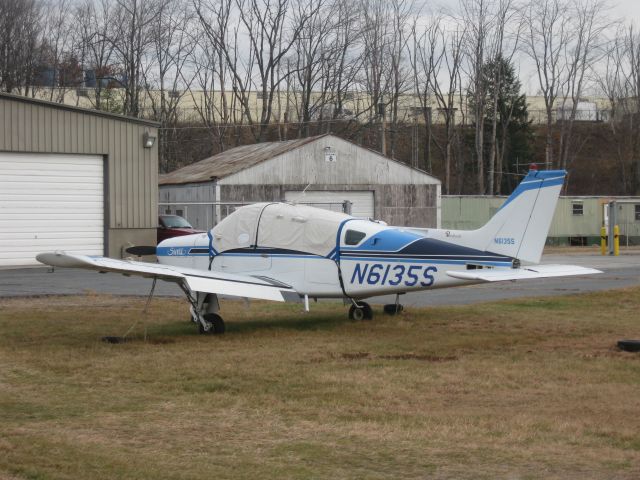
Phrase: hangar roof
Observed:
(232, 161)
(62, 106)
(239, 159)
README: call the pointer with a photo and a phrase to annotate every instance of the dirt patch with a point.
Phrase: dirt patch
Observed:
(400, 356)
(424, 358)
(355, 356)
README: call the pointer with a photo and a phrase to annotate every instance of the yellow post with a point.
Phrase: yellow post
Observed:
(603, 241)
(616, 240)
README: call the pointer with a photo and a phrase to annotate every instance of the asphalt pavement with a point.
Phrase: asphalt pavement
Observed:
(618, 272)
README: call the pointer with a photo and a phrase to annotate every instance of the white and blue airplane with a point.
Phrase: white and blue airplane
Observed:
(288, 252)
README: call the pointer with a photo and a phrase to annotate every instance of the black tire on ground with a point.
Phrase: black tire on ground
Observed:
(217, 324)
(629, 345)
(356, 313)
(393, 309)
(363, 312)
(368, 312)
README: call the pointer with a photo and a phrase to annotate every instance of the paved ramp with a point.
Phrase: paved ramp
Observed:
(622, 271)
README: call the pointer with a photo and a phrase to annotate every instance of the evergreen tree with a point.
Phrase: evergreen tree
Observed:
(513, 132)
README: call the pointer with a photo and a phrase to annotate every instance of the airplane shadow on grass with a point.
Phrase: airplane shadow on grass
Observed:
(302, 323)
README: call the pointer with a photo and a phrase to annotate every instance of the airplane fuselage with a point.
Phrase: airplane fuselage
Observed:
(386, 260)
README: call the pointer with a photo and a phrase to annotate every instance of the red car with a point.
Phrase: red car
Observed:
(174, 226)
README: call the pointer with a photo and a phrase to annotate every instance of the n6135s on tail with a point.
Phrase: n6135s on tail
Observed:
(284, 252)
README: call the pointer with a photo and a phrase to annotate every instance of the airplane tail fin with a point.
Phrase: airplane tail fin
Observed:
(520, 228)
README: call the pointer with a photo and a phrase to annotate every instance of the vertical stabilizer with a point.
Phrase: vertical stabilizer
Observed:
(520, 228)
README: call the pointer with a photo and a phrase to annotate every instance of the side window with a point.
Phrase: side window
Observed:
(353, 237)
(577, 208)
(637, 207)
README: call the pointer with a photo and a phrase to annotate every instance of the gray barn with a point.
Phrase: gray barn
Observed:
(74, 179)
(325, 170)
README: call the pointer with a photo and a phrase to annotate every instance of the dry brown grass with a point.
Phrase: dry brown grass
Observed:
(519, 389)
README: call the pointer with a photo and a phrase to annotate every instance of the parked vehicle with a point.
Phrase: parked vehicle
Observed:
(174, 226)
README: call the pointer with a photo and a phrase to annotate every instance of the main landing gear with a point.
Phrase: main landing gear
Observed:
(204, 312)
(362, 311)
(214, 323)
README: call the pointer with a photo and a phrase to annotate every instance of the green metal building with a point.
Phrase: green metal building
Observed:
(577, 220)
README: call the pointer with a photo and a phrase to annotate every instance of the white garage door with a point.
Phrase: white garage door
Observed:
(50, 202)
(362, 200)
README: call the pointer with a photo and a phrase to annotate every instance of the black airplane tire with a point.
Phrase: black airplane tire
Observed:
(363, 312)
(629, 345)
(368, 312)
(217, 324)
(356, 313)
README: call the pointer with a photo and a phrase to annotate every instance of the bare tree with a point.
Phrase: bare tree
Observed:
(218, 59)
(587, 26)
(131, 38)
(546, 39)
(505, 44)
(438, 54)
(385, 33)
(167, 78)
(400, 77)
(313, 52)
(93, 19)
(375, 37)
(632, 90)
(267, 27)
(620, 82)
(57, 45)
(20, 27)
(212, 103)
(479, 18)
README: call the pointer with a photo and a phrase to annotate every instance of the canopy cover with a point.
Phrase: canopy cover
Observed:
(279, 225)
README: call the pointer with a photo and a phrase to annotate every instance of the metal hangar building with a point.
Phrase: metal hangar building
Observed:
(73, 179)
(324, 170)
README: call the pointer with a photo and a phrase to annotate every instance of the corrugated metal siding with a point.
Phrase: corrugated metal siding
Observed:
(133, 170)
(202, 217)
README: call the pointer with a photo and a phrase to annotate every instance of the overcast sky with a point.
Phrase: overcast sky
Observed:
(629, 9)
(623, 10)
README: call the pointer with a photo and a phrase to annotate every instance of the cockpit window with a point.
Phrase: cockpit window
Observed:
(353, 237)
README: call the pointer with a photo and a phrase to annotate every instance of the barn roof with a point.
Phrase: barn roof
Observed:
(232, 161)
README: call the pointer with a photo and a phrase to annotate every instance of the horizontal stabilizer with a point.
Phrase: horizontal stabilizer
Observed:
(189, 278)
(525, 273)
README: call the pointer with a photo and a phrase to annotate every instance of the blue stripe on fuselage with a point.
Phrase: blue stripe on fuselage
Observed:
(429, 261)
(396, 243)
(422, 250)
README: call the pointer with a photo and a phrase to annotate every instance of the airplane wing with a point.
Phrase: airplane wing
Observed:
(189, 278)
(523, 273)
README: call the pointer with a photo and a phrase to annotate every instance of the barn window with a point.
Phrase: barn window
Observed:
(637, 207)
(577, 208)
(353, 237)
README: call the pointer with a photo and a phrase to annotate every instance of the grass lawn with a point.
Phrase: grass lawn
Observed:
(515, 389)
